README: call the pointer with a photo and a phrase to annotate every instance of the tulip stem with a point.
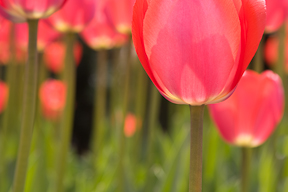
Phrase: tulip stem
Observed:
(29, 108)
(259, 64)
(280, 66)
(195, 180)
(100, 101)
(66, 123)
(246, 159)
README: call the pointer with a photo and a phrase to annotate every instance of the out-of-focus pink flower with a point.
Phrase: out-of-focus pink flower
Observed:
(53, 98)
(54, 55)
(4, 92)
(120, 13)
(5, 44)
(277, 13)
(195, 52)
(252, 113)
(100, 33)
(46, 34)
(74, 16)
(130, 125)
(22, 10)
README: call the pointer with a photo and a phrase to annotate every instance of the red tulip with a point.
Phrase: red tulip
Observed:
(120, 13)
(46, 35)
(4, 92)
(251, 114)
(277, 13)
(100, 33)
(130, 125)
(195, 52)
(53, 98)
(74, 15)
(21, 10)
(54, 55)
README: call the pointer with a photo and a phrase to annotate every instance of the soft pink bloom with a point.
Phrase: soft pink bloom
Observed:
(120, 13)
(74, 15)
(21, 10)
(130, 125)
(100, 33)
(195, 52)
(4, 92)
(53, 98)
(277, 13)
(46, 35)
(251, 114)
(54, 55)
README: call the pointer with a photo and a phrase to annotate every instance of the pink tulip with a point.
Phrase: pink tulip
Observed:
(252, 113)
(120, 13)
(54, 55)
(22, 10)
(277, 13)
(53, 98)
(74, 16)
(195, 52)
(100, 33)
(46, 35)
(4, 92)
(130, 125)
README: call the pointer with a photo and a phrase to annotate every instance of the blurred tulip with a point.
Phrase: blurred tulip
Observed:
(277, 13)
(120, 13)
(4, 92)
(100, 33)
(252, 113)
(46, 35)
(192, 55)
(130, 125)
(53, 98)
(5, 44)
(74, 16)
(22, 10)
(54, 55)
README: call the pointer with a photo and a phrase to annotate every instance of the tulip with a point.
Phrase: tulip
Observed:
(54, 55)
(277, 13)
(195, 52)
(130, 125)
(4, 91)
(252, 113)
(74, 16)
(120, 13)
(46, 35)
(23, 10)
(52, 95)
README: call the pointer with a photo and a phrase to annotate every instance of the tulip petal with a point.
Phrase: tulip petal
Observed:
(200, 43)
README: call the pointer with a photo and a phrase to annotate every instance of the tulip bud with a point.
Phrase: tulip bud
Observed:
(53, 98)
(253, 111)
(4, 92)
(130, 125)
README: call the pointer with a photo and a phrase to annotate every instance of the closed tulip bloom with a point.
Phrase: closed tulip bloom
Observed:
(252, 113)
(54, 55)
(74, 16)
(130, 125)
(101, 34)
(195, 52)
(120, 13)
(46, 34)
(21, 10)
(277, 13)
(53, 98)
(3, 95)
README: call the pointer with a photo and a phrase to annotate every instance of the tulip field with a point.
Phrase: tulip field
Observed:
(143, 96)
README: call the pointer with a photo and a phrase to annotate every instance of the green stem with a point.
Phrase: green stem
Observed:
(246, 160)
(195, 180)
(280, 67)
(66, 123)
(259, 63)
(29, 107)
(100, 101)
